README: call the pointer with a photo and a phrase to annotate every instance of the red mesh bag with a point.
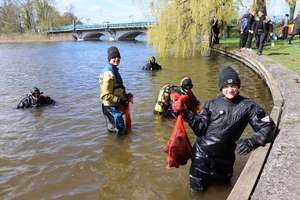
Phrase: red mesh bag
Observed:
(126, 111)
(182, 102)
(178, 147)
(179, 102)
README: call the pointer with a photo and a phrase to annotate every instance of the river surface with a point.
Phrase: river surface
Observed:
(64, 151)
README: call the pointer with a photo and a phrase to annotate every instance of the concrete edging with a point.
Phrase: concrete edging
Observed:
(256, 179)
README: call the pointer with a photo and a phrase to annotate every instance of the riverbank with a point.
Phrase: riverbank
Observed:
(282, 52)
(33, 37)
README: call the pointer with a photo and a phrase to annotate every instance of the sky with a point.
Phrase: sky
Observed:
(274, 7)
(99, 11)
(114, 11)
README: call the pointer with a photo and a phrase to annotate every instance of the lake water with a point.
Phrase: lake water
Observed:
(65, 152)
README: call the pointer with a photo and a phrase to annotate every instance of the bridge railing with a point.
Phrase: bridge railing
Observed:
(101, 26)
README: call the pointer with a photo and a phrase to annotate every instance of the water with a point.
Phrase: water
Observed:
(65, 152)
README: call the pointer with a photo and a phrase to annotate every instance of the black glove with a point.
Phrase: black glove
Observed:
(244, 146)
(187, 115)
(129, 97)
(123, 101)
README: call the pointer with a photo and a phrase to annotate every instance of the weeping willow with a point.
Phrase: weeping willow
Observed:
(259, 5)
(183, 26)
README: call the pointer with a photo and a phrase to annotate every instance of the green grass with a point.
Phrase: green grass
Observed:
(287, 55)
(282, 52)
(230, 42)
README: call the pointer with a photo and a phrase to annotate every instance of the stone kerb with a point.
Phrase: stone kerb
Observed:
(273, 171)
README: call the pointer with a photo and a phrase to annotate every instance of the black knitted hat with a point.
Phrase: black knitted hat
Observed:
(35, 90)
(228, 76)
(186, 82)
(113, 52)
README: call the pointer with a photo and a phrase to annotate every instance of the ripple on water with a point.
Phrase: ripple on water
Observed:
(65, 152)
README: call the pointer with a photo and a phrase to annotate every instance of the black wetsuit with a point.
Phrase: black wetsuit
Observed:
(219, 125)
(29, 101)
(152, 67)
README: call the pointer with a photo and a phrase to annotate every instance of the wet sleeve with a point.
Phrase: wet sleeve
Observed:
(198, 122)
(263, 126)
(148, 66)
(49, 100)
(24, 103)
(107, 88)
(194, 100)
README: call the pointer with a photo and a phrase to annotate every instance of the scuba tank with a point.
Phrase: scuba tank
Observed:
(163, 98)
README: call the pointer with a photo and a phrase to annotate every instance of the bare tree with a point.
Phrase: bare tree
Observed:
(27, 14)
(10, 18)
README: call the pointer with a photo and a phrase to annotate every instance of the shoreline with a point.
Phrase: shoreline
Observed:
(34, 37)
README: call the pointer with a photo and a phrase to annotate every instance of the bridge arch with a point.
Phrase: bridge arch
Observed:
(93, 35)
(131, 35)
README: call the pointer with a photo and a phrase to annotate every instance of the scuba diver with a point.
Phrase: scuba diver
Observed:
(218, 128)
(170, 95)
(152, 65)
(35, 99)
(113, 94)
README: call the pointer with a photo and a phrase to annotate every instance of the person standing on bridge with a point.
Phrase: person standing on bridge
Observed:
(219, 126)
(113, 94)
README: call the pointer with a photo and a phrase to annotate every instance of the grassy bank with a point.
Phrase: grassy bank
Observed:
(33, 37)
(282, 52)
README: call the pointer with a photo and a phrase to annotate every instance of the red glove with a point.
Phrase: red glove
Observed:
(179, 105)
(129, 97)
(183, 98)
(174, 96)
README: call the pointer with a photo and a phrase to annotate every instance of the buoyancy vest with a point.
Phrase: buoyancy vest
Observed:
(111, 85)
(163, 99)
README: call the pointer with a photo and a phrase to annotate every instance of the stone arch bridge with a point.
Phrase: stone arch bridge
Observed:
(117, 32)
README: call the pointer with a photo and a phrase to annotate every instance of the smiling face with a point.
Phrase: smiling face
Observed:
(260, 13)
(230, 91)
(36, 95)
(115, 61)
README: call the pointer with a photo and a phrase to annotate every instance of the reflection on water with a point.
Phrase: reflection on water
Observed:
(64, 151)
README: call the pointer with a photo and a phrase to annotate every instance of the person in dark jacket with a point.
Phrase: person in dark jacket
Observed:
(152, 65)
(296, 29)
(35, 99)
(251, 18)
(218, 128)
(262, 26)
(245, 28)
(214, 32)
